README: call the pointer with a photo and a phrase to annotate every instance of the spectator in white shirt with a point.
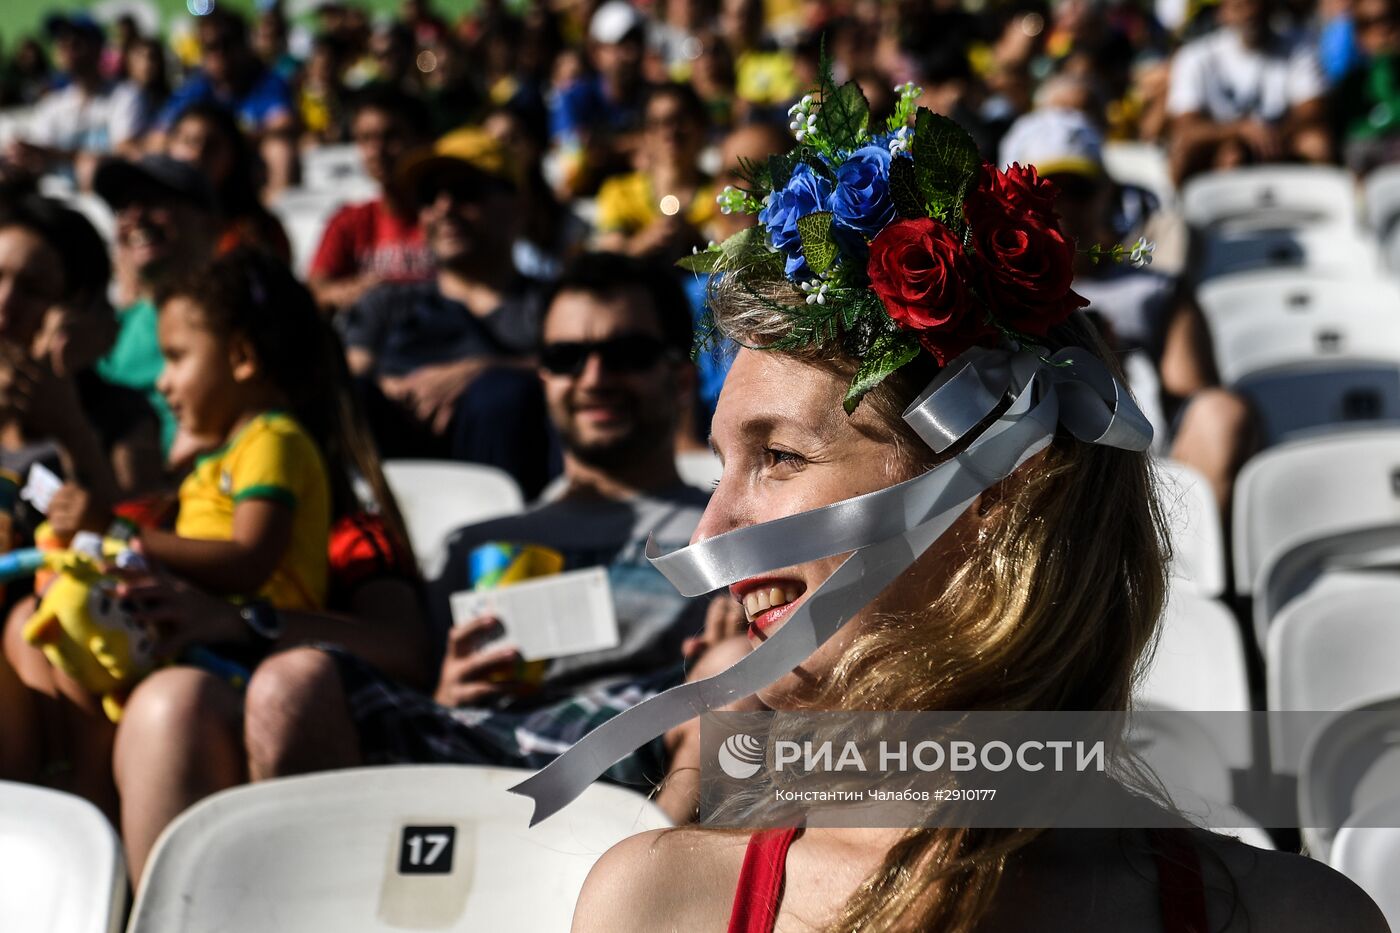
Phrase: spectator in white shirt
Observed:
(1244, 94)
(90, 116)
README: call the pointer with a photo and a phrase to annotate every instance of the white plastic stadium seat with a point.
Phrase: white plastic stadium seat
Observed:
(1260, 340)
(1333, 648)
(326, 168)
(1276, 197)
(1368, 852)
(1381, 194)
(61, 868)
(1311, 488)
(304, 213)
(1199, 660)
(700, 469)
(1299, 400)
(437, 497)
(1289, 573)
(1186, 757)
(377, 849)
(1348, 765)
(1199, 666)
(1140, 164)
(1261, 321)
(1296, 291)
(1198, 545)
(1340, 252)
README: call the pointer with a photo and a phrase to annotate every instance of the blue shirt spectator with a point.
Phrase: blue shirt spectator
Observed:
(267, 100)
(584, 105)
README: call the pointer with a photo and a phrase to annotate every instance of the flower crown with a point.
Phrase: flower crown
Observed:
(903, 240)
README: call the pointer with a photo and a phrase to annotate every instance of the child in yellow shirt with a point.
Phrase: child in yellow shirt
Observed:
(249, 359)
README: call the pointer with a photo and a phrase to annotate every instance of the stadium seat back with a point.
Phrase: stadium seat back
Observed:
(1272, 197)
(324, 168)
(1198, 546)
(700, 469)
(1311, 488)
(1348, 765)
(1198, 665)
(1368, 853)
(1291, 572)
(1141, 164)
(1332, 649)
(380, 849)
(437, 497)
(61, 867)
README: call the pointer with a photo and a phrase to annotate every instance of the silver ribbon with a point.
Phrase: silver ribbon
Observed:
(886, 531)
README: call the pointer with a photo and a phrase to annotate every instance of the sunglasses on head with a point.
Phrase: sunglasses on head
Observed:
(633, 353)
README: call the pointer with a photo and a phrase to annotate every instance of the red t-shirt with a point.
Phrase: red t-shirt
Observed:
(361, 238)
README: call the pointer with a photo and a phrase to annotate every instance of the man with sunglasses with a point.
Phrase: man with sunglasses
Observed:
(445, 366)
(615, 364)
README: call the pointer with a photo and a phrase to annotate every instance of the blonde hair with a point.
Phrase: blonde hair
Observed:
(1053, 610)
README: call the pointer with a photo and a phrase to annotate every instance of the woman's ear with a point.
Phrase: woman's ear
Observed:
(242, 358)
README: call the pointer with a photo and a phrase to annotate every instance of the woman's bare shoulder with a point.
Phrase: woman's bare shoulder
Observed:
(1287, 893)
(666, 879)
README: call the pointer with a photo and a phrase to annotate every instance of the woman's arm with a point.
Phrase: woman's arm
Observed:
(262, 532)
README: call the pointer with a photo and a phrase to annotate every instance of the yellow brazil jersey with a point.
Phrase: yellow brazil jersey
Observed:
(271, 458)
(626, 204)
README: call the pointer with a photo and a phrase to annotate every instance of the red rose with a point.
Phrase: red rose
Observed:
(1019, 186)
(919, 270)
(1024, 262)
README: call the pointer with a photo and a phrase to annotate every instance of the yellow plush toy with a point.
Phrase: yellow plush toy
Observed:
(80, 625)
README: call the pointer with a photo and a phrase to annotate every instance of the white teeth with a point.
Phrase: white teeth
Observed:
(762, 600)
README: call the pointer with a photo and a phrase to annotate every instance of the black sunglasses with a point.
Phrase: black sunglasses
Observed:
(633, 353)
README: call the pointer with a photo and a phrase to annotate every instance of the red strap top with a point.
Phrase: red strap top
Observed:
(1180, 889)
(760, 888)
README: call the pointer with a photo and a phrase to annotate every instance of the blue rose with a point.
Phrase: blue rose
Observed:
(805, 192)
(862, 199)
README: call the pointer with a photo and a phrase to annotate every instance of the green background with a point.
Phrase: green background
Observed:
(18, 17)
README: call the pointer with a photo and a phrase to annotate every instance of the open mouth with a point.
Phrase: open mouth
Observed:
(767, 602)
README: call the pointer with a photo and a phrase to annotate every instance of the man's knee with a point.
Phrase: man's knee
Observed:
(288, 694)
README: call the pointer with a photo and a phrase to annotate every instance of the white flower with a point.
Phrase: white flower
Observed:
(899, 142)
(1141, 254)
(731, 199)
(816, 291)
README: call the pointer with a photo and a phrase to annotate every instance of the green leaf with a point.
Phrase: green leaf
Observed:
(904, 189)
(780, 170)
(756, 175)
(703, 262)
(946, 162)
(889, 353)
(818, 247)
(844, 116)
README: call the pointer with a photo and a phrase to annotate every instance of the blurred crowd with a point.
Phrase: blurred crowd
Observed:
(504, 293)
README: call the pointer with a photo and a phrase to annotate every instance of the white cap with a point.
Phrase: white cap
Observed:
(614, 21)
(1055, 141)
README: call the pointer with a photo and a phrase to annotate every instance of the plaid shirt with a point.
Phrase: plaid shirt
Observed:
(399, 725)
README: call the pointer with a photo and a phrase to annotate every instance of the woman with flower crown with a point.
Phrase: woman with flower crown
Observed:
(886, 270)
